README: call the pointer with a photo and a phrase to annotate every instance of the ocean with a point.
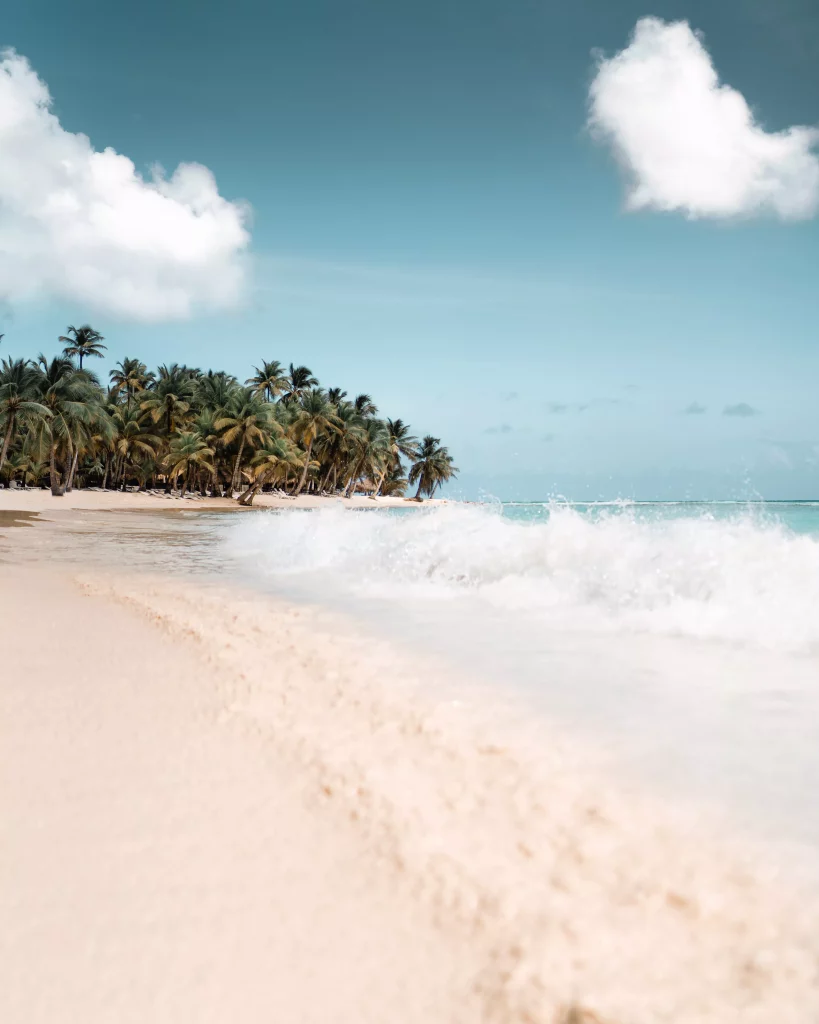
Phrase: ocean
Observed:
(682, 638)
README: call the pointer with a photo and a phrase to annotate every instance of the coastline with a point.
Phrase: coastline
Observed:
(40, 500)
(299, 815)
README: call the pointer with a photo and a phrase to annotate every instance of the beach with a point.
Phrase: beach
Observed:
(94, 499)
(218, 804)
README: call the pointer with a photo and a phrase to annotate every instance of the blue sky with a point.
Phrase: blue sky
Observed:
(433, 222)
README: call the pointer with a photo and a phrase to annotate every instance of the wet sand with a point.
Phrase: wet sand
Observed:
(217, 806)
(10, 518)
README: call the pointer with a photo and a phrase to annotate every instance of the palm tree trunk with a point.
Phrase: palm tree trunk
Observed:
(349, 490)
(185, 476)
(7, 441)
(54, 474)
(252, 491)
(234, 483)
(381, 481)
(307, 454)
(105, 474)
(418, 492)
(70, 484)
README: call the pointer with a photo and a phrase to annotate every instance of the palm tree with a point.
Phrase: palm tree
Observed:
(399, 442)
(205, 426)
(395, 483)
(134, 442)
(315, 416)
(365, 406)
(73, 402)
(215, 391)
(18, 400)
(17, 462)
(370, 453)
(130, 376)
(89, 433)
(186, 452)
(336, 449)
(297, 383)
(247, 421)
(433, 467)
(336, 395)
(169, 398)
(25, 464)
(85, 342)
(278, 455)
(269, 379)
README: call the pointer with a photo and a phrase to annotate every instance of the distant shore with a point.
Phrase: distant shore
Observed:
(41, 500)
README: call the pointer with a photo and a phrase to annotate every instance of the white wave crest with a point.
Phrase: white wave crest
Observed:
(736, 579)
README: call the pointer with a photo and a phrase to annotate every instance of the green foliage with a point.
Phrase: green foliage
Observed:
(83, 342)
(432, 467)
(205, 431)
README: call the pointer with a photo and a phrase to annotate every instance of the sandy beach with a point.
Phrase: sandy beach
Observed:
(41, 500)
(220, 806)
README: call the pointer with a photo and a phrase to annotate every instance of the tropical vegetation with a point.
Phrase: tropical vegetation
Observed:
(206, 432)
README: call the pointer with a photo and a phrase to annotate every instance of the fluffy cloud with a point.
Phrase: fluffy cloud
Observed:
(689, 143)
(85, 226)
(694, 409)
(740, 409)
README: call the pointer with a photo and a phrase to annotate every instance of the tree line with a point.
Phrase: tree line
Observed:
(201, 431)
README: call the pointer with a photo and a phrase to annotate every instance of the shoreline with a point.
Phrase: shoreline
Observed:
(39, 500)
(265, 778)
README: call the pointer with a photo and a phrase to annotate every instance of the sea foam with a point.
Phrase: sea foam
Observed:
(740, 579)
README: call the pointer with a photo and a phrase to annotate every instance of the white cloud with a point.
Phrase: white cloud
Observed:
(691, 144)
(85, 226)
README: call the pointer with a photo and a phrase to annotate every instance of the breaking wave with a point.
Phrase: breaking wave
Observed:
(740, 578)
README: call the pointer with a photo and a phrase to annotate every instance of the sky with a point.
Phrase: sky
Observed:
(577, 242)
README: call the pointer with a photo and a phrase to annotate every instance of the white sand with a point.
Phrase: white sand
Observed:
(217, 807)
(161, 861)
(38, 500)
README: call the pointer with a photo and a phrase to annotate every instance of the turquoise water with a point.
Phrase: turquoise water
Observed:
(798, 516)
